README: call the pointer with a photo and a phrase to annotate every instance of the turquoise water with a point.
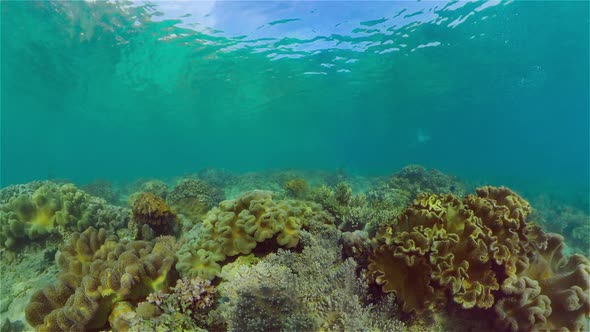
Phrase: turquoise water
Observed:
(490, 92)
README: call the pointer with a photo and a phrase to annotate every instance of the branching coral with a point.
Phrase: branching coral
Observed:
(151, 210)
(189, 296)
(262, 298)
(51, 207)
(351, 212)
(311, 290)
(97, 272)
(477, 252)
(237, 226)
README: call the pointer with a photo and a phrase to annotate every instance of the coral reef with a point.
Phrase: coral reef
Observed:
(193, 198)
(218, 178)
(237, 226)
(480, 252)
(567, 220)
(156, 187)
(97, 273)
(103, 189)
(53, 208)
(308, 257)
(151, 210)
(400, 189)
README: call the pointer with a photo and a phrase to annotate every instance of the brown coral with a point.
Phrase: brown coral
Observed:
(152, 210)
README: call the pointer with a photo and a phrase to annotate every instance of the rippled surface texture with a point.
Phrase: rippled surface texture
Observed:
(490, 91)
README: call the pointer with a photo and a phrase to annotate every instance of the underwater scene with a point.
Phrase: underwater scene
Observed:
(294, 166)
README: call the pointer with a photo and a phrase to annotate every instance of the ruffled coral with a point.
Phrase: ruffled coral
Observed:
(97, 272)
(445, 248)
(237, 226)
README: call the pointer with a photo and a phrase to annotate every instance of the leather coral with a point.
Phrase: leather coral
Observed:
(480, 252)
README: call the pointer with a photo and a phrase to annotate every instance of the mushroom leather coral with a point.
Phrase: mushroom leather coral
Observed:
(238, 225)
(34, 215)
(481, 252)
(98, 272)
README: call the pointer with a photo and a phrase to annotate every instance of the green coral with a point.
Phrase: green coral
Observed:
(237, 226)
